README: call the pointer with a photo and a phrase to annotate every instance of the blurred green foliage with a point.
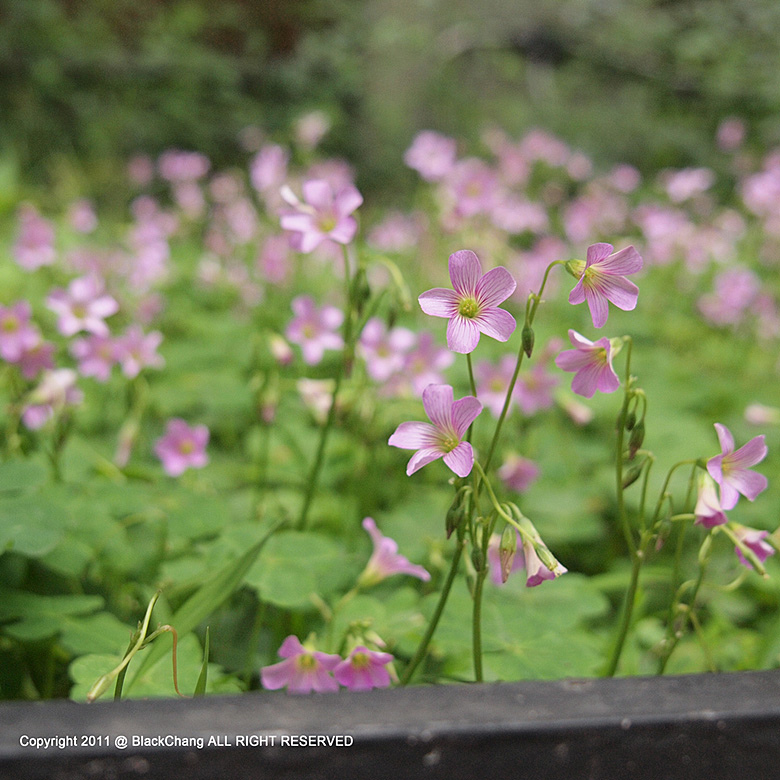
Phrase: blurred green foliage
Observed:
(644, 81)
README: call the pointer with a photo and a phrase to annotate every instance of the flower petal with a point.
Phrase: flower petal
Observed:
(422, 458)
(495, 287)
(622, 292)
(725, 438)
(496, 323)
(464, 412)
(465, 271)
(437, 402)
(749, 483)
(749, 454)
(278, 675)
(597, 303)
(413, 436)
(462, 334)
(597, 253)
(461, 459)
(577, 295)
(439, 302)
(348, 200)
(318, 193)
(344, 231)
(625, 261)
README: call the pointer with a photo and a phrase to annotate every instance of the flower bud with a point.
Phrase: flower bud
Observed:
(506, 551)
(630, 420)
(476, 559)
(575, 267)
(528, 340)
(631, 476)
(636, 439)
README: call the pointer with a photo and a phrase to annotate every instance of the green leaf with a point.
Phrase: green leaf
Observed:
(295, 565)
(40, 617)
(21, 476)
(30, 526)
(200, 686)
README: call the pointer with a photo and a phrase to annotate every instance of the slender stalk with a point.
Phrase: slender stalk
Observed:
(637, 559)
(344, 369)
(621, 428)
(422, 648)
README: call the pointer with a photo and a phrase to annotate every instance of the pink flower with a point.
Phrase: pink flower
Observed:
(754, 541)
(182, 447)
(325, 214)
(385, 560)
(708, 510)
(55, 393)
(83, 306)
(37, 358)
(500, 571)
(364, 669)
(533, 390)
(602, 279)
(82, 217)
(268, 169)
(137, 350)
(492, 383)
(592, 363)
(518, 473)
(443, 439)
(431, 154)
(731, 471)
(34, 245)
(423, 366)
(96, 355)
(472, 307)
(303, 671)
(17, 333)
(536, 571)
(314, 329)
(384, 350)
(176, 165)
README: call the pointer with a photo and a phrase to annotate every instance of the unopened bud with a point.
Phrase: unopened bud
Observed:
(476, 559)
(457, 511)
(636, 439)
(506, 551)
(280, 349)
(630, 420)
(528, 340)
(575, 267)
(631, 476)
(361, 290)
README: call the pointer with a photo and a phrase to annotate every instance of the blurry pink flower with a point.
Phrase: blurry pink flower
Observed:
(34, 245)
(324, 214)
(268, 170)
(17, 332)
(472, 307)
(36, 358)
(96, 355)
(592, 363)
(182, 447)
(311, 128)
(472, 187)
(754, 541)
(385, 560)
(314, 329)
(396, 232)
(56, 391)
(518, 473)
(541, 145)
(736, 290)
(533, 390)
(273, 262)
(83, 306)
(536, 571)
(384, 350)
(423, 366)
(760, 414)
(431, 154)
(683, 184)
(303, 671)
(176, 165)
(602, 279)
(730, 134)
(82, 217)
(364, 669)
(140, 170)
(517, 215)
(731, 471)
(137, 350)
(444, 438)
(492, 383)
(625, 178)
(317, 395)
(708, 510)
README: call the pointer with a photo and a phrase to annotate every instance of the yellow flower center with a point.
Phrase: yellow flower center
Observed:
(187, 447)
(11, 325)
(468, 307)
(360, 660)
(327, 223)
(306, 661)
(450, 443)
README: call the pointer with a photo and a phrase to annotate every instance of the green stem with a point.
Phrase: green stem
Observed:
(422, 648)
(627, 395)
(343, 370)
(638, 557)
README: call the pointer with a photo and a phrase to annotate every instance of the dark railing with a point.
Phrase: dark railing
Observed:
(699, 727)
